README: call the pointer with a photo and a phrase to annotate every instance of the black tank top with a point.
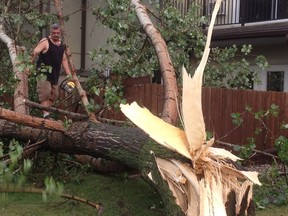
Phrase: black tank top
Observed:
(53, 57)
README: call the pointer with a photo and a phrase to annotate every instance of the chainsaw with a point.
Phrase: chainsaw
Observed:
(67, 85)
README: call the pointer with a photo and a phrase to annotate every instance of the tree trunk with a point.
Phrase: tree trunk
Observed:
(128, 146)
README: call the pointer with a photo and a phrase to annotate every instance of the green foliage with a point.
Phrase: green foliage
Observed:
(274, 189)
(113, 95)
(15, 169)
(261, 62)
(281, 145)
(67, 122)
(237, 118)
(130, 53)
(52, 188)
(228, 68)
(19, 16)
(245, 151)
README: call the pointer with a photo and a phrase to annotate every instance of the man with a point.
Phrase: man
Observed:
(51, 56)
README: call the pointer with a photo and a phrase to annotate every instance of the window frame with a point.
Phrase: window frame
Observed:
(262, 74)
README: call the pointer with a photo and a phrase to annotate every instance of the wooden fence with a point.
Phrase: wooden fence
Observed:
(218, 105)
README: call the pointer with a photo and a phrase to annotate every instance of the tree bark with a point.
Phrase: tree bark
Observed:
(169, 112)
(128, 146)
(21, 90)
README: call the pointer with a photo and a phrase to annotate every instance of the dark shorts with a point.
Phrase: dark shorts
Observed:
(46, 91)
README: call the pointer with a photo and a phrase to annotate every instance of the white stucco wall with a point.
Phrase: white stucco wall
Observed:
(96, 35)
(73, 28)
(275, 49)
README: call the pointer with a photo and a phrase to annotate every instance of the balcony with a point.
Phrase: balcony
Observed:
(243, 18)
(248, 18)
(246, 11)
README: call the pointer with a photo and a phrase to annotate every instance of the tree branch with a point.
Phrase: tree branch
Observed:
(31, 121)
(254, 150)
(82, 93)
(57, 110)
(169, 113)
(14, 189)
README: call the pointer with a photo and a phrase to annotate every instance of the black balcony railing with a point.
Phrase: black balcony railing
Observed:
(247, 11)
(239, 11)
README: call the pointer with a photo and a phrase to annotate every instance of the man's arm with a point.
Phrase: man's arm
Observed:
(65, 64)
(42, 46)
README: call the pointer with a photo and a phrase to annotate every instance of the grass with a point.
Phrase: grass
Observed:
(119, 195)
(273, 210)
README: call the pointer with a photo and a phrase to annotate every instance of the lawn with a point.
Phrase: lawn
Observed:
(273, 211)
(119, 195)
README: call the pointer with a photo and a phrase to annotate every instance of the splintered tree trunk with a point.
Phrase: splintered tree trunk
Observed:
(129, 146)
(204, 185)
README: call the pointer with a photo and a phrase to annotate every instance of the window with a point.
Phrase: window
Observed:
(282, 9)
(263, 10)
(255, 11)
(211, 5)
(275, 81)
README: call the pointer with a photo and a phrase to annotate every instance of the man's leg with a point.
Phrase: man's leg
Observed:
(46, 104)
(44, 93)
(54, 94)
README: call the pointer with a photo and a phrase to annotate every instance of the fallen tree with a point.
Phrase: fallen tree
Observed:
(128, 146)
(134, 148)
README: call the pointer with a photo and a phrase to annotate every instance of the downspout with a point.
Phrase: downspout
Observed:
(83, 34)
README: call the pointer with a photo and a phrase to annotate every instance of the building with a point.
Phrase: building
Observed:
(261, 23)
